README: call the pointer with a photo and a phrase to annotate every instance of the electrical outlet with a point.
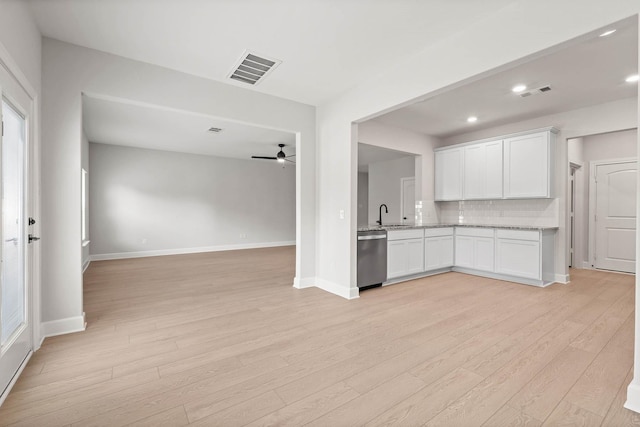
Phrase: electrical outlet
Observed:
(243, 235)
(341, 213)
(144, 241)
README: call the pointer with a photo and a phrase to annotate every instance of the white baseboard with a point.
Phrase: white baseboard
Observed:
(302, 283)
(182, 251)
(334, 288)
(63, 326)
(562, 278)
(86, 263)
(633, 397)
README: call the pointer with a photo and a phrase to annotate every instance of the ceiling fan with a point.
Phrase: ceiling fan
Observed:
(280, 157)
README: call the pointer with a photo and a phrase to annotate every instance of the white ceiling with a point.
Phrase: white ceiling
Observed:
(119, 123)
(326, 46)
(585, 74)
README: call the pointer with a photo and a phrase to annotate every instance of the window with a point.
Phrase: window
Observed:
(85, 208)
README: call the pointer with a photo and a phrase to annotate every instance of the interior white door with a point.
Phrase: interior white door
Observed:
(615, 216)
(408, 200)
(15, 329)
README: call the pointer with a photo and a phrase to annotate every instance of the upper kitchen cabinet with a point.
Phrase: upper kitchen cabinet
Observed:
(516, 166)
(483, 171)
(448, 174)
(528, 165)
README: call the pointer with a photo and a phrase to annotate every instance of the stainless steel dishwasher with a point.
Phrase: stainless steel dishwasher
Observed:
(372, 258)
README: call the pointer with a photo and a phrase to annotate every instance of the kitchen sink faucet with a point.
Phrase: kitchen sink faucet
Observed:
(386, 210)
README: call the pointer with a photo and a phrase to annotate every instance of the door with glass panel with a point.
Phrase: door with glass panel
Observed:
(15, 328)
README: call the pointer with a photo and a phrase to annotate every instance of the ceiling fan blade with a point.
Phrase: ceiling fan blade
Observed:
(290, 161)
(262, 157)
(293, 155)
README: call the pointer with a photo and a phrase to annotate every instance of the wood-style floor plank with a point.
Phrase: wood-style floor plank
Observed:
(224, 339)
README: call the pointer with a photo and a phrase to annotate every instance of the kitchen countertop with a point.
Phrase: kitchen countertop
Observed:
(409, 227)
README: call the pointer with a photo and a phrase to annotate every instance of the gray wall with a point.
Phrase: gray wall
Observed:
(385, 186)
(363, 198)
(147, 200)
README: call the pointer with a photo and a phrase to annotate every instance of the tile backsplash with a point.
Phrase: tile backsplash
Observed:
(537, 212)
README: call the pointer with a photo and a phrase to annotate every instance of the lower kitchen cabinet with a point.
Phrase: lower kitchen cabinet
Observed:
(475, 248)
(405, 253)
(438, 251)
(520, 253)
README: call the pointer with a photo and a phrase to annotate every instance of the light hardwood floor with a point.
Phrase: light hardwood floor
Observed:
(223, 339)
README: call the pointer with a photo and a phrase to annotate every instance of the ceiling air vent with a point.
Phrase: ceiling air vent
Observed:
(536, 91)
(253, 68)
(216, 130)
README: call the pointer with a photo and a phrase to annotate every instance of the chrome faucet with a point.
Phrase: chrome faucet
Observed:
(386, 210)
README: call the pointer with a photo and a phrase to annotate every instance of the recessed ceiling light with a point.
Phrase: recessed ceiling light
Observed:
(519, 88)
(632, 79)
(608, 33)
(472, 119)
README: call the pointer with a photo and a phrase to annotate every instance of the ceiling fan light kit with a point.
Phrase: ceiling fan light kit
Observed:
(281, 157)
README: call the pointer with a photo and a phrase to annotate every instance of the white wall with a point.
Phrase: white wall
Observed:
(607, 146)
(69, 71)
(385, 186)
(386, 136)
(145, 202)
(20, 37)
(363, 198)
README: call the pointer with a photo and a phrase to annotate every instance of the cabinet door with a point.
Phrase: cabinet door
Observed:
(484, 253)
(432, 253)
(493, 170)
(448, 174)
(518, 258)
(464, 251)
(446, 251)
(474, 166)
(415, 256)
(396, 258)
(526, 166)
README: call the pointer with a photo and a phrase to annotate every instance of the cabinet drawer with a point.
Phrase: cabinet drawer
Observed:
(405, 234)
(474, 232)
(532, 235)
(435, 232)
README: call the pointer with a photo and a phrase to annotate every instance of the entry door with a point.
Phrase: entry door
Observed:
(615, 221)
(408, 200)
(15, 325)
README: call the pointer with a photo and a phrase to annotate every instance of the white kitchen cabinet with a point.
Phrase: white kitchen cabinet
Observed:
(438, 248)
(518, 253)
(449, 174)
(475, 248)
(528, 166)
(405, 252)
(483, 171)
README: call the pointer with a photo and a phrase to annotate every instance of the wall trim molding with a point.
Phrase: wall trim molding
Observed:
(633, 397)
(63, 326)
(86, 263)
(303, 283)
(182, 251)
(562, 278)
(336, 289)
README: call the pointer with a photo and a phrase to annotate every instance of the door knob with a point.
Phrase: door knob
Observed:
(33, 238)
(31, 221)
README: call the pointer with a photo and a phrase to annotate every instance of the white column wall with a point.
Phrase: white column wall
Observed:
(69, 71)
(633, 391)
(460, 58)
